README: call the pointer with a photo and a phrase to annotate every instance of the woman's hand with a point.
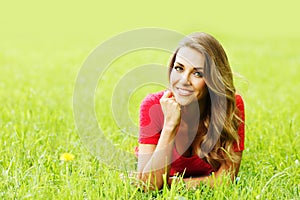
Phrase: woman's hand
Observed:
(171, 110)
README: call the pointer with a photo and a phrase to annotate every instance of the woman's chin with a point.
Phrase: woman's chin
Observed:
(185, 101)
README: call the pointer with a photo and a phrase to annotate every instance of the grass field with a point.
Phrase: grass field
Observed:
(42, 49)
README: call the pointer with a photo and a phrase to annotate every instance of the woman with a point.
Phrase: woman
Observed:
(196, 127)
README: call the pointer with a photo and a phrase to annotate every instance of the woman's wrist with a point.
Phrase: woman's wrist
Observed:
(168, 133)
(170, 126)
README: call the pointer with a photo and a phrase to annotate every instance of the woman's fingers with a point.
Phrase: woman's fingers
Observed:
(167, 94)
(167, 98)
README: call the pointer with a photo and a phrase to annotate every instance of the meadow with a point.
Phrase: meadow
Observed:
(38, 71)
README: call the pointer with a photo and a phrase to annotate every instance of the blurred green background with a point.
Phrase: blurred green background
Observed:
(51, 22)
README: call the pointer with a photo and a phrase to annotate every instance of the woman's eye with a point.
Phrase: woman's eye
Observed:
(178, 68)
(198, 74)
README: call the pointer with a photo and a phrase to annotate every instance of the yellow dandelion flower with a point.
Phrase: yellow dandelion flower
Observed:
(67, 157)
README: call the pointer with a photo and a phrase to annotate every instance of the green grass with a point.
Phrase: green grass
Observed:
(38, 70)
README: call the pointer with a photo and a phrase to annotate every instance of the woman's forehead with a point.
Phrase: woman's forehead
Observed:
(190, 57)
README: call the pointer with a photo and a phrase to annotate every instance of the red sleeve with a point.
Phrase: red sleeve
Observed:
(151, 119)
(241, 128)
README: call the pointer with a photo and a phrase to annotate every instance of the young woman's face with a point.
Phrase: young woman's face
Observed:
(186, 78)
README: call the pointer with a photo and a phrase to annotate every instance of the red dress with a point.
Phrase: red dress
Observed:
(151, 124)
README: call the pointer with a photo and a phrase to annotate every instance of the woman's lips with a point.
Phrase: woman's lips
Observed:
(184, 92)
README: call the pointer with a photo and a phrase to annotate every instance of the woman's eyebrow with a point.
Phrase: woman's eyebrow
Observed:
(179, 64)
(195, 68)
(198, 68)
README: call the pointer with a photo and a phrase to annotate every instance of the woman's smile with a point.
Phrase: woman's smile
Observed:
(184, 91)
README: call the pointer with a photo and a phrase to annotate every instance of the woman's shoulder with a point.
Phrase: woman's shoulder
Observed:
(238, 98)
(152, 98)
(240, 105)
(239, 101)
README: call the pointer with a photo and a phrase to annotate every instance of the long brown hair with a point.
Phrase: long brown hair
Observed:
(218, 128)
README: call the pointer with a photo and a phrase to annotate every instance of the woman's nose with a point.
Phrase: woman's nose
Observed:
(185, 78)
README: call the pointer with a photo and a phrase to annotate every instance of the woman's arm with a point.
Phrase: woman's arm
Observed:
(154, 160)
(228, 167)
